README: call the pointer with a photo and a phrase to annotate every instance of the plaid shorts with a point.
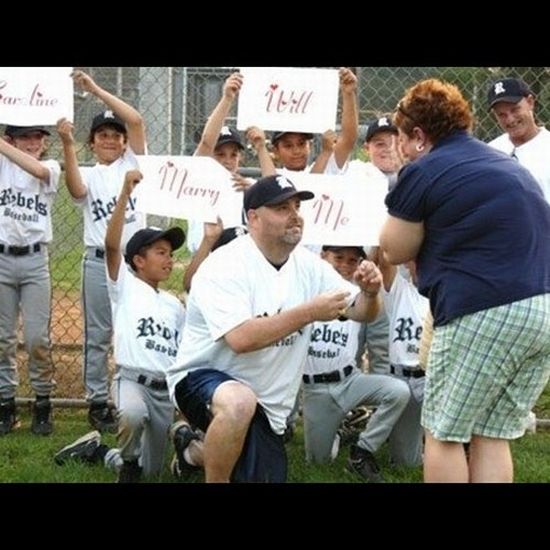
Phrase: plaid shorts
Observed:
(487, 371)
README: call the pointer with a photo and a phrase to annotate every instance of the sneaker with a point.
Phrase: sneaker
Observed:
(82, 449)
(182, 435)
(363, 463)
(130, 472)
(42, 417)
(8, 416)
(101, 417)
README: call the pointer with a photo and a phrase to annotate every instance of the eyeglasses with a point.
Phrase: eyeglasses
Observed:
(404, 112)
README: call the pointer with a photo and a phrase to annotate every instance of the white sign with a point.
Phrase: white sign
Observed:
(194, 188)
(347, 210)
(32, 96)
(291, 100)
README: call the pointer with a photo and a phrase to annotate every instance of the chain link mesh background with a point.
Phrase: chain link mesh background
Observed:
(175, 102)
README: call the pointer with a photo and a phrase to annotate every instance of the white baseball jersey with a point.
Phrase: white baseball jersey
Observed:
(26, 203)
(406, 309)
(147, 323)
(366, 169)
(333, 345)
(534, 155)
(103, 183)
(235, 284)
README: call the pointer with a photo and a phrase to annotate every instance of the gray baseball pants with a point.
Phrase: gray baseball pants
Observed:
(98, 326)
(325, 405)
(25, 288)
(144, 418)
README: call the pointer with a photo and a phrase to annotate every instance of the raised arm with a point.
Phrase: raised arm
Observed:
(328, 141)
(73, 179)
(215, 121)
(368, 302)
(212, 232)
(26, 162)
(133, 120)
(115, 226)
(350, 118)
(256, 136)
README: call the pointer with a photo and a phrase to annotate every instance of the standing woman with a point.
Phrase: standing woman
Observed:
(477, 223)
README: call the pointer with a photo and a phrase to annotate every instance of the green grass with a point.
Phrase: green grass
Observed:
(26, 458)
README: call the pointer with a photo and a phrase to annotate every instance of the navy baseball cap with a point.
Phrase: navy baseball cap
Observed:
(18, 131)
(382, 124)
(175, 236)
(275, 136)
(510, 90)
(108, 118)
(335, 248)
(228, 235)
(229, 135)
(272, 190)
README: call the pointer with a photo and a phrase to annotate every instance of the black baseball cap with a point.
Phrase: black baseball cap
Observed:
(229, 135)
(382, 124)
(335, 248)
(272, 190)
(228, 235)
(108, 118)
(510, 90)
(18, 131)
(175, 236)
(275, 136)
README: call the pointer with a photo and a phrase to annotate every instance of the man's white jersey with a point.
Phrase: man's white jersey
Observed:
(406, 310)
(26, 203)
(104, 183)
(147, 323)
(332, 346)
(234, 284)
(534, 155)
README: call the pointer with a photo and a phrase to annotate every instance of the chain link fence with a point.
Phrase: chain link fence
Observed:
(175, 102)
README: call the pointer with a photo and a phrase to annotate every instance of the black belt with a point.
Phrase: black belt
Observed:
(19, 250)
(408, 372)
(99, 253)
(152, 383)
(327, 377)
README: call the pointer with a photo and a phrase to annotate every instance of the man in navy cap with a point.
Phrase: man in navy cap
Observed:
(513, 104)
(250, 310)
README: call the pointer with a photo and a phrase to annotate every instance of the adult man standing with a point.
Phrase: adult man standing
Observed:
(239, 365)
(513, 104)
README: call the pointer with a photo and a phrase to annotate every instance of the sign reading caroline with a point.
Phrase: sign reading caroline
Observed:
(285, 99)
(195, 188)
(35, 95)
(347, 210)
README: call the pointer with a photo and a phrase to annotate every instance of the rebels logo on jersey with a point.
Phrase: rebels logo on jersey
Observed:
(21, 200)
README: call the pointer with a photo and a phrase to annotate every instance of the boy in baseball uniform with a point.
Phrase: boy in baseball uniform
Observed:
(116, 136)
(148, 324)
(27, 190)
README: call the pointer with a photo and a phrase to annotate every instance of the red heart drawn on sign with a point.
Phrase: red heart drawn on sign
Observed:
(325, 197)
(170, 164)
(273, 86)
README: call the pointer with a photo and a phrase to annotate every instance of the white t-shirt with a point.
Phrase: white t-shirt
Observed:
(26, 203)
(148, 323)
(406, 309)
(534, 155)
(104, 183)
(333, 346)
(235, 284)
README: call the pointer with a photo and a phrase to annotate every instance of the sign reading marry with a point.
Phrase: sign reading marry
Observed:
(195, 188)
(294, 100)
(347, 210)
(32, 96)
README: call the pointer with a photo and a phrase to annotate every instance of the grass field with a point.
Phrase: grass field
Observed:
(26, 458)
